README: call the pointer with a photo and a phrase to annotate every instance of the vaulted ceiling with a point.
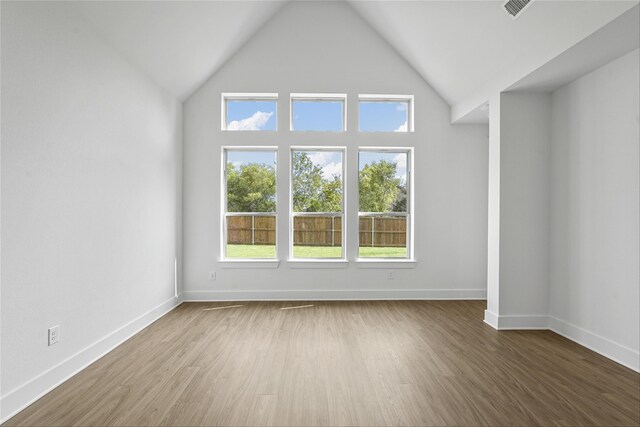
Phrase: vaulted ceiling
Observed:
(468, 49)
(178, 44)
(463, 49)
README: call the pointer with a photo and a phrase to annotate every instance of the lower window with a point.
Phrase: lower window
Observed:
(249, 193)
(384, 217)
(317, 203)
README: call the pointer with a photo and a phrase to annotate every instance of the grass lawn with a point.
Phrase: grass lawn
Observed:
(265, 251)
(251, 251)
(317, 251)
(383, 252)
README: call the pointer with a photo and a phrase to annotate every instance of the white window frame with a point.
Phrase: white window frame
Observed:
(319, 97)
(409, 99)
(343, 215)
(227, 96)
(223, 204)
(410, 205)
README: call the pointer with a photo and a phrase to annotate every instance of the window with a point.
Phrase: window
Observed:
(384, 217)
(249, 112)
(249, 201)
(317, 203)
(386, 113)
(318, 112)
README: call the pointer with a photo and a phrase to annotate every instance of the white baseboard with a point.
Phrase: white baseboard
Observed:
(516, 322)
(18, 399)
(491, 319)
(601, 345)
(337, 295)
(610, 349)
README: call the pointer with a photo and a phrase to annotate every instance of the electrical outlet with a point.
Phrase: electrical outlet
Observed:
(212, 275)
(53, 335)
(391, 275)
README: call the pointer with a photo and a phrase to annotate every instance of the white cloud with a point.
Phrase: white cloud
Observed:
(401, 160)
(255, 122)
(402, 127)
(402, 106)
(320, 158)
(331, 169)
(327, 161)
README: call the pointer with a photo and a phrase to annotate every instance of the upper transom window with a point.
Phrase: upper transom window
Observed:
(249, 111)
(386, 113)
(318, 112)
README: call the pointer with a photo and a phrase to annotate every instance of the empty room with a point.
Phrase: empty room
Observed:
(320, 213)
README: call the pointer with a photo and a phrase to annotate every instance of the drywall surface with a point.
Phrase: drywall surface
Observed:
(90, 192)
(595, 208)
(525, 120)
(493, 209)
(313, 47)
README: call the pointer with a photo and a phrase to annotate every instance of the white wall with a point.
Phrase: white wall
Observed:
(524, 203)
(564, 169)
(493, 209)
(594, 255)
(518, 272)
(90, 198)
(313, 47)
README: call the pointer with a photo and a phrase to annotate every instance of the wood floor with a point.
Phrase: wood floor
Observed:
(342, 363)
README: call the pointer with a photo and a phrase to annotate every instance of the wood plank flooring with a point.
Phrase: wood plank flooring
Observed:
(341, 363)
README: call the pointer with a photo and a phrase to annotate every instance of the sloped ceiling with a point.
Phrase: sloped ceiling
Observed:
(178, 44)
(463, 49)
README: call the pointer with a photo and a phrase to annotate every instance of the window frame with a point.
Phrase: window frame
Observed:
(410, 214)
(229, 96)
(409, 99)
(318, 97)
(343, 214)
(224, 214)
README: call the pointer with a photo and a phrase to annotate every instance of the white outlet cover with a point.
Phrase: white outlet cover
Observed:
(212, 275)
(54, 335)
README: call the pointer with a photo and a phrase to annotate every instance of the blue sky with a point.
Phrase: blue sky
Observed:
(251, 115)
(367, 157)
(317, 116)
(239, 158)
(383, 116)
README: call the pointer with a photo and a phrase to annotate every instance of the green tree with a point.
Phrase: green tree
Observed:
(379, 186)
(331, 198)
(311, 191)
(251, 188)
(400, 205)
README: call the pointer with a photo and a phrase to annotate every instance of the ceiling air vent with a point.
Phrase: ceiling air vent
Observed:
(515, 7)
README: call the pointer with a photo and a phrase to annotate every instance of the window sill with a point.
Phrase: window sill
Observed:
(318, 131)
(247, 130)
(249, 263)
(318, 263)
(385, 263)
(385, 131)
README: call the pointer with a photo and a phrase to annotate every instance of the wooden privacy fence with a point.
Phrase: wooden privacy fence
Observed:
(383, 231)
(317, 231)
(251, 230)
